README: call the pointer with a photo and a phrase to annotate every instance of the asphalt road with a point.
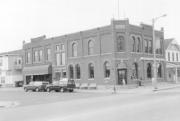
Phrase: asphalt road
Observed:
(150, 106)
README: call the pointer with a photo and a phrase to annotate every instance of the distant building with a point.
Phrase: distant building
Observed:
(173, 60)
(105, 55)
(10, 68)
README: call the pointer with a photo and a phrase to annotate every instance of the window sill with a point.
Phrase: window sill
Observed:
(91, 79)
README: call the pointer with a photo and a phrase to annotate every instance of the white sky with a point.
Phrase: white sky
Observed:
(24, 19)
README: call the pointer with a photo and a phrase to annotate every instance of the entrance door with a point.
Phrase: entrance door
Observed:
(122, 74)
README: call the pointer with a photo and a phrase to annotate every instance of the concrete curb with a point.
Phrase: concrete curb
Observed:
(166, 88)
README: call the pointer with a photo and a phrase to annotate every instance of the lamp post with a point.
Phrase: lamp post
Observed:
(154, 79)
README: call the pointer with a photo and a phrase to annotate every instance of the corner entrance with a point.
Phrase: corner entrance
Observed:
(122, 74)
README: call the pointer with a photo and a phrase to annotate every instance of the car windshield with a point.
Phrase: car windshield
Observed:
(70, 81)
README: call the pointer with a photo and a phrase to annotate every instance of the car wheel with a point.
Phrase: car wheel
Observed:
(37, 89)
(25, 89)
(48, 90)
(71, 90)
(62, 90)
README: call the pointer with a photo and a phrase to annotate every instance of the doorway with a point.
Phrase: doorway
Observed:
(122, 74)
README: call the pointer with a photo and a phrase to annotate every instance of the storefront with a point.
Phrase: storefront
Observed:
(37, 73)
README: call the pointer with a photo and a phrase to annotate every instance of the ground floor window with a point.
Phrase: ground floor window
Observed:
(159, 70)
(149, 72)
(78, 72)
(71, 72)
(45, 77)
(135, 71)
(106, 69)
(91, 71)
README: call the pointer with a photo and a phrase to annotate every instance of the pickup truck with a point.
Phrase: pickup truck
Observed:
(61, 85)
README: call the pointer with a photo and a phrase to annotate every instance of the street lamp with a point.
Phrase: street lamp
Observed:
(154, 79)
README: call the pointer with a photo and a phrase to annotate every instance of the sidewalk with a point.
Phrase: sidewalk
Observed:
(132, 88)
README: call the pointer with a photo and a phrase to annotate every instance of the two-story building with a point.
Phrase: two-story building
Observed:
(10, 68)
(173, 60)
(104, 55)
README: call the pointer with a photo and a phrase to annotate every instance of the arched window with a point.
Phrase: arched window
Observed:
(134, 44)
(138, 44)
(78, 72)
(90, 47)
(135, 71)
(71, 72)
(91, 70)
(120, 43)
(149, 73)
(106, 70)
(74, 49)
(159, 70)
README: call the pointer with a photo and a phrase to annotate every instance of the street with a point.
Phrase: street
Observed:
(150, 106)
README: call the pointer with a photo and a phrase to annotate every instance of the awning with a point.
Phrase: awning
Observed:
(37, 70)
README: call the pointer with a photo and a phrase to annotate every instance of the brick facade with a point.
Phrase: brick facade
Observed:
(112, 44)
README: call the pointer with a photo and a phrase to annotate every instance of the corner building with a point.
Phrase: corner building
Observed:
(105, 55)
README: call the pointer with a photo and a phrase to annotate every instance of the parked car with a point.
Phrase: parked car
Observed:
(19, 83)
(67, 85)
(36, 86)
(61, 85)
(53, 87)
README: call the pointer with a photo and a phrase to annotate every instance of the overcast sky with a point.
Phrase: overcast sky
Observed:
(25, 19)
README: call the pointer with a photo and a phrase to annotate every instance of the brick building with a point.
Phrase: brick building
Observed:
(105, 55)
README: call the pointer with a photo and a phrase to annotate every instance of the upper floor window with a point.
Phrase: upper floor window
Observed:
(36, 56)
(17, 61)
(90, 47)
(150, 46)
(168, 56)
(172, 56)
(63, 58)
(58, 59)
(74, 49)
(48, 54)
(146, 46)
(177, 57)
(1, 61)
(40, 55)
(138, 44)
(158, 46)
(120, 43)
(134, 43)
(28, 57)
(57, 48)
(62, 47)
